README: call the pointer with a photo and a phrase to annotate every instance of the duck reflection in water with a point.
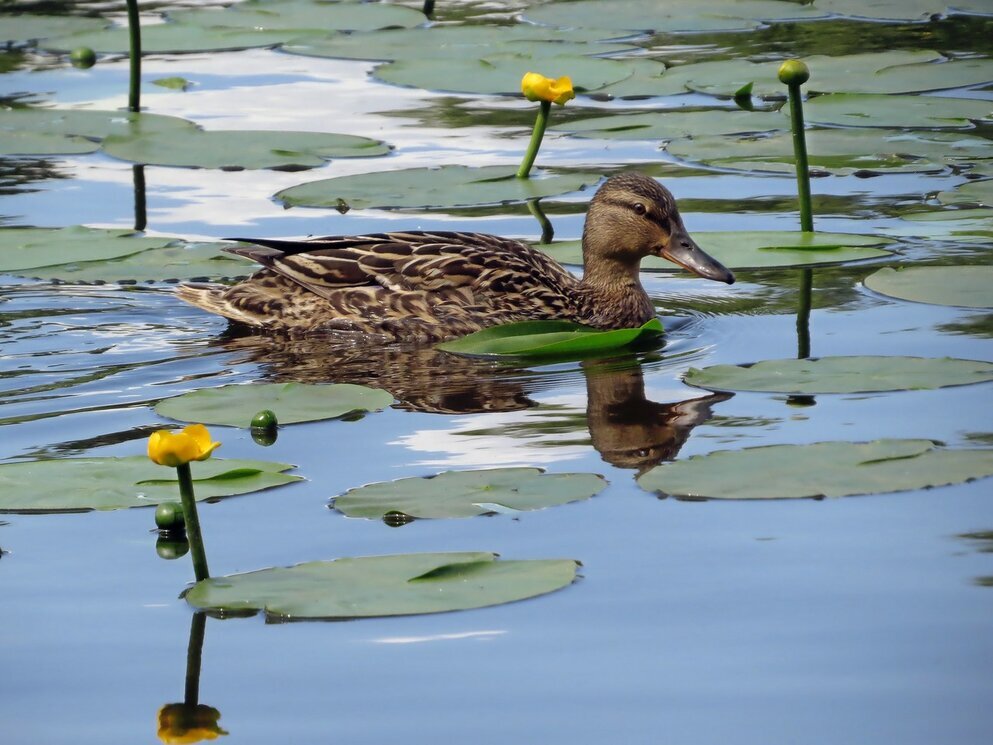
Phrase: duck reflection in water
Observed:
(627, 429)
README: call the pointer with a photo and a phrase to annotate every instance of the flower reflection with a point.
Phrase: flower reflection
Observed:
(183, 723)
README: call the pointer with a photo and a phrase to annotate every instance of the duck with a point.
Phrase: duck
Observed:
(429, 286)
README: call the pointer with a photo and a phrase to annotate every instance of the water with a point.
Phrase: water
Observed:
(862, 620)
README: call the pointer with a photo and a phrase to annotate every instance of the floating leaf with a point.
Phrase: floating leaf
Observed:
(238, 149)
(962, 286)
(28, 27)
(199, 262)
(40, 143)
(235, 405)
(673, 15)
(90, 123)
(669, 125)
(755, 249)
(974, 192)
(824, 469)
(29, 248)
(173, 38)
(855, 374)
(962, 225)
(81, 484)
(382, 586)
(903, 10)
(469, 493)
(300, 15)
(872, 110)
(549, 339)
(173, 83)
(446, 186)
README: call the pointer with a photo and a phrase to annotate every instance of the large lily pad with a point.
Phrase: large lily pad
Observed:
(961, 225)
(669, 125)
(29, 27)
(40, 143)
(301, 15)
(382, 586)
(838, 151)
(199, 262)
(673, 15)
(172, 38)
(856, 374)
(550, 339)
(92, 124)
(824, 469)
(874, 110)
(235, 405)
(974, 192)
(962, 286)
(903, 10)
(445, 186)
(469, 493)
(240, 149)
(756, 249)
(29, 248)
(82, 484)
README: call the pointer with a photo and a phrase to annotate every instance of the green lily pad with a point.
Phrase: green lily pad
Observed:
(549, 339)
(837, 151)
(873, 110)
(31, 248)
(824, 469)
(458, 43)
(172, 38)
(297, 15)
(673, 15)
(28, 27)
(235, 405)
(445, 186)
(962, 225)
(973, 192)
(89, 123)
(856, 374)
(373, 586)
(199, 262)
(501, 73)
(239, 149)
(469, 493)
(903, 10)
(961, 286)
(172, 83)
(40, 143)
(755, 249)
(670, 125)
(83, 484)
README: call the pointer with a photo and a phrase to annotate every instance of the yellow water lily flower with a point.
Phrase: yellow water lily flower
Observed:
(180, 724)
(537, 87)
(192, 443)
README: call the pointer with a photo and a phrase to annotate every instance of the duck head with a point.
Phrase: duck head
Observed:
(632, 216)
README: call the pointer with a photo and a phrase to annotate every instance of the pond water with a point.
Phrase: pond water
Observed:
(859, 619)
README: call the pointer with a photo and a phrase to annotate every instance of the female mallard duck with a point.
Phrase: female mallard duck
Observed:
(426, 286)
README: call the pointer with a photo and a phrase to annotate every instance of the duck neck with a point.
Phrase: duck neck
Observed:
(614, 297)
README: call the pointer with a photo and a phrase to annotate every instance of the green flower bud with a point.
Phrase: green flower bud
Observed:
(794, 72)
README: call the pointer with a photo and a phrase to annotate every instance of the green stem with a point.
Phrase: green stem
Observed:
(547, 231)
(134, 31)
(428, 7)
(800, 151)
(536, 136)
(140, 214)
(194, 655)
(192, 522)
(803, 314)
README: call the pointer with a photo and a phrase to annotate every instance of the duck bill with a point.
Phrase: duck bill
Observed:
(684, 251)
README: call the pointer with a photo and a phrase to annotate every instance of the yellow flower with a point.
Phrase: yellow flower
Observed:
(193, 443)
(537, 87)
(180, 724)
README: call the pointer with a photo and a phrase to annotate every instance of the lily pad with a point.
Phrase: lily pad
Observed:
(240, 149)
(235, 405)
(961, 225)
(83, 484)
(90, 123)
(31, 248)
(837, 151)
(172, 38)
(469, 493)
(673, 15)
(670, 125)
(371, 586)
(974, 192)
(29, 27)
(40, 143)
(856, 374)
(824, 469)
(903, 10)
(297, 15)
(756, 249)
(445, 186)
(961, 286)
(549, 339)
(501, 73)
(199, 262)
(873, 110)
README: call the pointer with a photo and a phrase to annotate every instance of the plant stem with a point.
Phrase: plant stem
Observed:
(194, 655)
(140, 213)
(536, 136)
(428, 7)
(800, 151)
(547, 231)
(134, 31)
(192, 522)
(803, 314)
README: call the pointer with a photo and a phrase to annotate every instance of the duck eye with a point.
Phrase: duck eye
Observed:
(639, 208)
